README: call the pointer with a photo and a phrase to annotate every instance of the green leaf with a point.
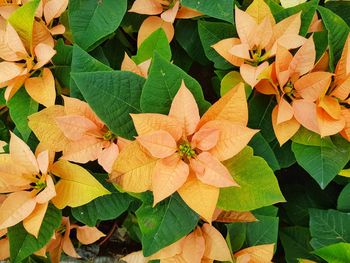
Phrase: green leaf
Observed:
(336, 253)
(260, 110)
(165, 223)
(284, 154)
(212, 32)
(263, 149)
(106, 207)
(157, 41)
(264, 231)
(258, 184)
(307, 12)
(321, 43)
(295, 241)
(163, 82)
(344, 199)
(83, 62)
(186, 34)
(328, 227)
(23, 20)
(62, 63)
(21, 105)
(22, 244)
(338, 31)
(341, 8)
(221, 9)
(92, 21)
(236, 233)
(322, 162)
(112, 95)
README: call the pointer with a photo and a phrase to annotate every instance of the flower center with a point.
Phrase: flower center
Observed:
(288, 88)
(185, 150)
(109, 136)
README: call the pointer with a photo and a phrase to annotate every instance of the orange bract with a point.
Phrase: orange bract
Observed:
(181, 152)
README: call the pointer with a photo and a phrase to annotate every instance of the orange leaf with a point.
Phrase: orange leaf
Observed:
(233, 216)
(223, 48)
(170, 14)
(43, 53)
(346, 131)
(88, 235)
(342, 69)
(150, 122)
(48, 193)
(22, 155)
(42, 89)
(284, 130)
(184, 109)
(255, 254)
(15, 208)
(53, 9)
(231, 107)
(313, 85)
(133, 169)
(147, 7)
(169, 175)
(327, 125)
(200, 197)
(4, 249)
(283, 60)
(245, 24)
(9, 70)
(211, 171)
(160, 144)
(303, 61)
(331, 106)
(107, 157)
(233, 138)
(342, 90)
(33, 222)
(251, 74)
(193, 246)
(284, 112)
(186, 13)
(305, 114)
(215, 245)
(205, 139)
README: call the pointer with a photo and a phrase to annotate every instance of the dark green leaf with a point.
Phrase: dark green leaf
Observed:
(62, 63)
(165, 223)
(338, 31)
(344, 199)
(163, 82)
(186, 33)
(295, 241)
(113, 95)
(22, 244)
(221, 9)
(341, 8)
(328, 227)
(210, 33)
(21, 105)
(83, 62)
(91, 21)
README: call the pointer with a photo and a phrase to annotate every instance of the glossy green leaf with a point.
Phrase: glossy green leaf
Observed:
(341, 8)
(186, 34)
(338, 31)
(212, 32)
(23, 244)
(23, 20)
(113, 96)
(324, 161)
(336, 253)
(83, 62)
(258, 184)
(21, 105)
(344, 199)
(295, 241)
(328, 227)
(163, 82)
(92, 21)
(165, 223)
(221, 9)
(62, 63)
(157, 41)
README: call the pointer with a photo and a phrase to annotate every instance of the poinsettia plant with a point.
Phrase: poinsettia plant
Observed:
(175, 130)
